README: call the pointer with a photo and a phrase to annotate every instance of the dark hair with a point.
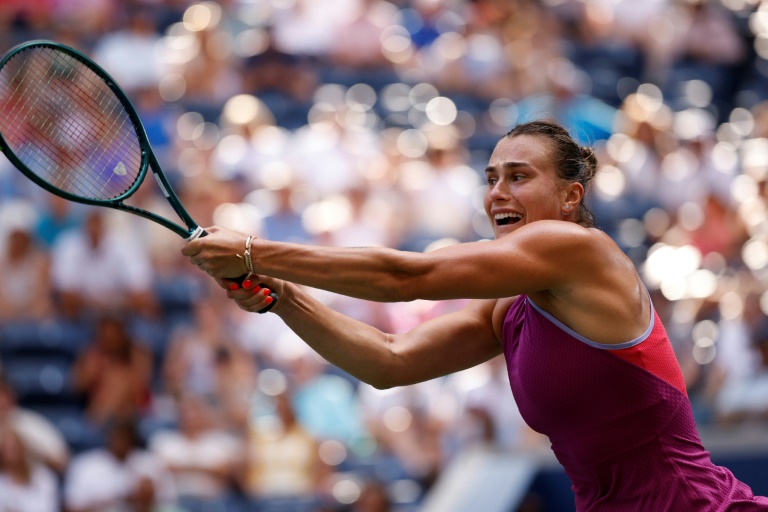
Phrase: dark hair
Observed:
(574, 163)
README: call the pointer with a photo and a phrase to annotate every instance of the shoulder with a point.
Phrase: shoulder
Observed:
(558, 232)
(566, 245)
(96, 461)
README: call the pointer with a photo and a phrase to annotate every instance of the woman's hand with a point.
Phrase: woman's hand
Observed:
(253, 294)
(219, 253)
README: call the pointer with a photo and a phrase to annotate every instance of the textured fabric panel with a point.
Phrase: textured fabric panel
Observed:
(656, 355)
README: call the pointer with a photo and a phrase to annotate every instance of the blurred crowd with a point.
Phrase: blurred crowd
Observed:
(129, 382)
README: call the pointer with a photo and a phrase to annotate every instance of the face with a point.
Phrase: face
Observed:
(523, 185)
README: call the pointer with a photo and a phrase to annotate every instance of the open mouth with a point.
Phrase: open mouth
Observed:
(505, 219)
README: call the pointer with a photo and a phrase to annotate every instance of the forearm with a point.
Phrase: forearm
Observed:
(360, 349)
(370, 273)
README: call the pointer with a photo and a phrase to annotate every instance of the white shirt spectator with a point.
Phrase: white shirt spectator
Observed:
(103, 272)
(97, 480)
(207, 452)
(40, 495)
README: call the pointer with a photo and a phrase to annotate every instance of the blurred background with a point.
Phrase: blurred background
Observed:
(129, 382)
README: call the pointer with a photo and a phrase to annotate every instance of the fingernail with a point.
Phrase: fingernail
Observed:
(266, 291)
(268, 300)
(247, 284)
(233, 286)
(257, 289)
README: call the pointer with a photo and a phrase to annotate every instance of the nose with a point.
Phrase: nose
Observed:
(498, 192)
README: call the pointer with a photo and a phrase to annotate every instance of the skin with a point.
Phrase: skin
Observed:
(575, 273)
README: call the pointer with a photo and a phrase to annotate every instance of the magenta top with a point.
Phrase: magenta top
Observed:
(618, 418)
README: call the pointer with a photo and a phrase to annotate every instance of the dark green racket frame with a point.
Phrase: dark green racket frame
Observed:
(148, 158)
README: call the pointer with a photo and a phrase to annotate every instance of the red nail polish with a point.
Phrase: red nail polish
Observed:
(266, 291)
(268, 300)
(233, 286)
(247, 284)
(257, 289)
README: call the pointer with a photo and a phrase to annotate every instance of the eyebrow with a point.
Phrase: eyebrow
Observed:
(508, 165)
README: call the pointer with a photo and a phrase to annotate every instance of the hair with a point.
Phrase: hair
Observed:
(575, 164)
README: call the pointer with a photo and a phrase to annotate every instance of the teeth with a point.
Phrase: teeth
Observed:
(499, 216)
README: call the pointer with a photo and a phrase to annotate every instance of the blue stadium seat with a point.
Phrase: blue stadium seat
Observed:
(41, 380)
(70, 420)
(26, 338)
(177, 293)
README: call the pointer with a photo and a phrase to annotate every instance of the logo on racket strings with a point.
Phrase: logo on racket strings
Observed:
(120, 169)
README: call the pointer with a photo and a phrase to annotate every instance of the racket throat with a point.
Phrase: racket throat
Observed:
(197, 233)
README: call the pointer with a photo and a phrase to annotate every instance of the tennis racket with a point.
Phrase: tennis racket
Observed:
(71, 129)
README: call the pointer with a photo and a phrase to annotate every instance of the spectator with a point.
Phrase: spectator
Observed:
(282, 459)
(201, 456)
(204, 360)
(325, 404)
(130, 54)
(373, 498)
(43, 441)
(58, 217)
(113, 372)
(98, 268)
(743, 395)
(24, 291)
(103, 479)
(26, 485)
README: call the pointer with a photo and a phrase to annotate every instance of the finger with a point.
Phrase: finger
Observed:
(190, 249)
(239, 294)
(227, 284)
(256, 301)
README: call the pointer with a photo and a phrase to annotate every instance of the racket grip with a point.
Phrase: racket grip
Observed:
(243, 278)
(270, 305)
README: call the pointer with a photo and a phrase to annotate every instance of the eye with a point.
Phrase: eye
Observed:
(518, 177)
(492, 180)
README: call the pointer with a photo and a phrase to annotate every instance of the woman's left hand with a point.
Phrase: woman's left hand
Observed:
(219, 253)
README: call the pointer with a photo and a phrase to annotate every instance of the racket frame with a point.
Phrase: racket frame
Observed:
(148, 158)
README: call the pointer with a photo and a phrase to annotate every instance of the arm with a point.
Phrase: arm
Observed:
(525, 261)
(440, 346)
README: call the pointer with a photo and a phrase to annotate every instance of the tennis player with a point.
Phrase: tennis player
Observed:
(589, 362)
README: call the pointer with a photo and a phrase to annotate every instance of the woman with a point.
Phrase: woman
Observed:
(589, 362)
(25, 484)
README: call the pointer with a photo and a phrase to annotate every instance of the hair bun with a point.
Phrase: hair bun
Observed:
(590, 159)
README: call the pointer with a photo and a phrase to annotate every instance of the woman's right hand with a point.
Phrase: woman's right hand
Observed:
(253, 294)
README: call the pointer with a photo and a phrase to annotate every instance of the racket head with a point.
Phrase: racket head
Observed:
(67, 125)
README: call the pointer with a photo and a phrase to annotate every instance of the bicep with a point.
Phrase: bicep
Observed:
(447, 344)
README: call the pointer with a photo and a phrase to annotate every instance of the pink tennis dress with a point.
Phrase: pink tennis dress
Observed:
(618, 418)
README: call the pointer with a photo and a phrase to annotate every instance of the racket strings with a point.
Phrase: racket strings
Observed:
(42, 135)
(67, 126)
(83, 131)
(79, 131)
(44, 130)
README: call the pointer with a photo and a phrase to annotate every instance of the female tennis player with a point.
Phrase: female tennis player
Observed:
(589, 362)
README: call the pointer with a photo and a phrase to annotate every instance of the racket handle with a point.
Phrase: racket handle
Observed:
(243, 278)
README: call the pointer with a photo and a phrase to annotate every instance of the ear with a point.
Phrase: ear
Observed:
(572, 196)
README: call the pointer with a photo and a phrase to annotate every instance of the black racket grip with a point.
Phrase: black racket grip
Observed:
(242, 279)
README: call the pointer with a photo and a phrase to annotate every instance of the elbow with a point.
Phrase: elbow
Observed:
(382, 384)
(388, 372)
(386, 380)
